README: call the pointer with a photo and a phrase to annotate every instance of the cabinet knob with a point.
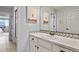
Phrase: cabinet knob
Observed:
(35, 45)
(32, 38)
(53, 25)
(67, 28)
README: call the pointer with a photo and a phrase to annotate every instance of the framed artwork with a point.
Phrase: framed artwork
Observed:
(31, 15)
(45, 17)
(45, 21)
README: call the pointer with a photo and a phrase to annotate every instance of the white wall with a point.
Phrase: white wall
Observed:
(36, 11)
(12, 25)
(68, 17)
(22, 30)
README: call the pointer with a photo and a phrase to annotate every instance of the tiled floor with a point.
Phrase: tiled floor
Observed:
(5, 44)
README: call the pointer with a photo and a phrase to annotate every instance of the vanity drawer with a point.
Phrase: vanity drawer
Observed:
(57, 48)
(44, 44)
(34, 39)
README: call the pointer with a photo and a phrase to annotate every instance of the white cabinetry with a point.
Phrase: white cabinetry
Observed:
(40, 45)
(37, 45)
(33, 46)
(42, 49)
(60, 49)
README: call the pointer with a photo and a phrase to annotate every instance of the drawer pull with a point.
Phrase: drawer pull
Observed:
(32, 38)
(35, 45)
(62, 51)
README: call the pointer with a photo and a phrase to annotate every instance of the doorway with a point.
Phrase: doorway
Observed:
(5, 44)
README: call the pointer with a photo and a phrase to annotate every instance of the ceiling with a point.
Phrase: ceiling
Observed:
(56, 7)
(5, 10)
(53, 7)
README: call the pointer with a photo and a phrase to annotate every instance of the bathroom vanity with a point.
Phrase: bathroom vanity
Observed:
(42, 42)
(62, 19)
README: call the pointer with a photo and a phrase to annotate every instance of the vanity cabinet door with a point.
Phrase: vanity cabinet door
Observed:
(42, 49)
(60, 49)
(43, 46)
(33, 47)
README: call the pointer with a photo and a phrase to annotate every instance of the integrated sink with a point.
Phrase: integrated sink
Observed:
(51, 33)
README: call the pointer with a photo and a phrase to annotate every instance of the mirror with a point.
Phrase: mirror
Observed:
(60, 19)
(44, 18)
(48, 19)
(54, 18)
(31, 15)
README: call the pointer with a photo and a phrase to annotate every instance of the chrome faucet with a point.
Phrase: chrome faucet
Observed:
(52, 33)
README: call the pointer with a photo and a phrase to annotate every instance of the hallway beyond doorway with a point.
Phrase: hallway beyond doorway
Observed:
(5, 44)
